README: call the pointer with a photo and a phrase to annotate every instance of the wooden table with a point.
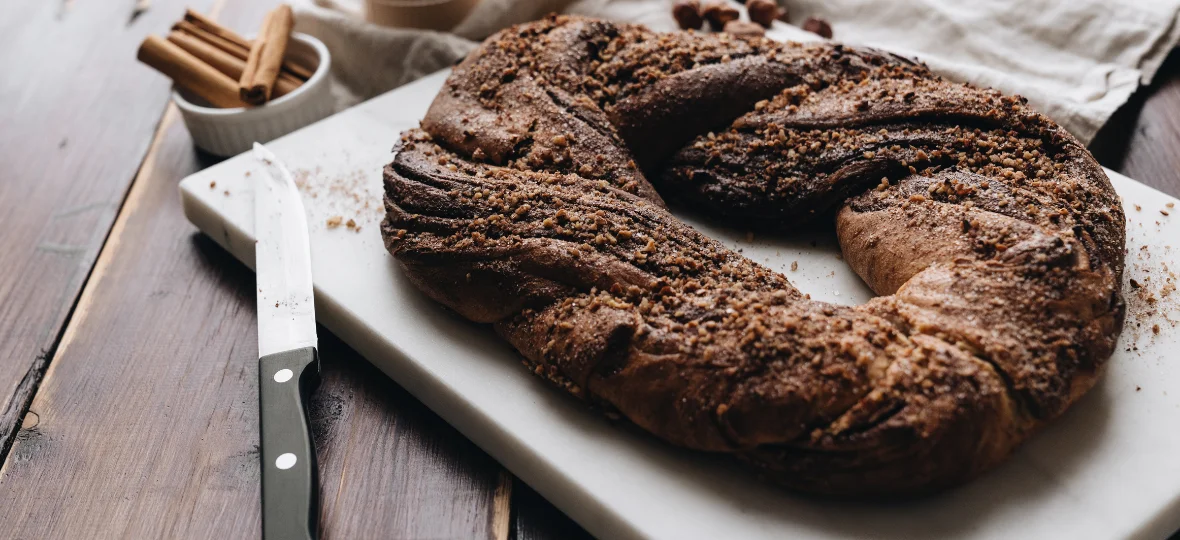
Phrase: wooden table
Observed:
(128, 402)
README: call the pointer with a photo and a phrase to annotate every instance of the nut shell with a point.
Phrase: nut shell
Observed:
(744, 29)
(719, 14)
(819, 26)
(687, 14)
(763, 12)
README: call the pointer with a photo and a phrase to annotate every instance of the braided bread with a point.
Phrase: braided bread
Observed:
(993, 238)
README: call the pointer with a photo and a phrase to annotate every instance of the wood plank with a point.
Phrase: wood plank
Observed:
(145, 425)
(392, 468)
(137, 374)
(535, 519)
(77, 115)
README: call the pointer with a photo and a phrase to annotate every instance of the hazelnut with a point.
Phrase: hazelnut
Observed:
(687, 14)
(819, 26)
(744, 29)
(718, 13)
(763, 12)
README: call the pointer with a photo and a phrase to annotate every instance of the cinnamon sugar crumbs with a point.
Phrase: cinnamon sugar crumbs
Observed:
(1151, 304)
(352, 197)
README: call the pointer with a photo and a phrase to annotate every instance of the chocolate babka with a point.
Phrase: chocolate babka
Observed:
(993, 237)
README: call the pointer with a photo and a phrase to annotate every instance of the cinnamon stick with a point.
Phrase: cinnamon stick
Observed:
(211, 26)
(228, 45)
(231, 41)
(266, 56)
(225, 62)
(189, 72)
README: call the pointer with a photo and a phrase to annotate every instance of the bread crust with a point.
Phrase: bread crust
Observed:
(994, 239)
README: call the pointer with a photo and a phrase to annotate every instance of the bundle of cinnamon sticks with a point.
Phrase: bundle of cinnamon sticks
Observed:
(221, 66)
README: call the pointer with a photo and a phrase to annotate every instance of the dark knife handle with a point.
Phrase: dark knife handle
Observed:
(290, 483)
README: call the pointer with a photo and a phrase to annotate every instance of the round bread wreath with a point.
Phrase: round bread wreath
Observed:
(528, 199)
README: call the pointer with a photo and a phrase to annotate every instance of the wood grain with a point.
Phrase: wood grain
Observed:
(144, 418)
(76, 116)
(535, 519)
(145, 425)
(391, 468)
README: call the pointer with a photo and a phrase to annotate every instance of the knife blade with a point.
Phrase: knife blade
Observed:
(288, 363)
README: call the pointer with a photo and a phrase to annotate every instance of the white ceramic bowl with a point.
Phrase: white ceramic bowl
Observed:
(229, 132)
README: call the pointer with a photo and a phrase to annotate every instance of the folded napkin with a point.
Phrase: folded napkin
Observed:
(1077, 61)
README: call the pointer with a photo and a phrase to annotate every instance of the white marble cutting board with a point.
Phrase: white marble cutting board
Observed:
(1110, 468)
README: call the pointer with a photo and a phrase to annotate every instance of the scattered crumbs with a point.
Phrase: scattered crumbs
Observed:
(300, 176)
(247, 174)
(1164, 212)
(212, 184)
(749, 236)
(1151, 303)
(334, 221)
(352, 196)
(1170, 205)
(1138, 208)
(794, 265)
(351, 223)
(226, 193)
(1138, 388)
(276, 304)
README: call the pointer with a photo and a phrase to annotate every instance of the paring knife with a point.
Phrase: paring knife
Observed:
(288, 363)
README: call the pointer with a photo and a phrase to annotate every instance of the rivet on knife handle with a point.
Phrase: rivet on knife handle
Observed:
(290, 485)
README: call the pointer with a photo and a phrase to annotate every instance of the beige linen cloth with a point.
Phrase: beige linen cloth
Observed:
(1075, 60)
